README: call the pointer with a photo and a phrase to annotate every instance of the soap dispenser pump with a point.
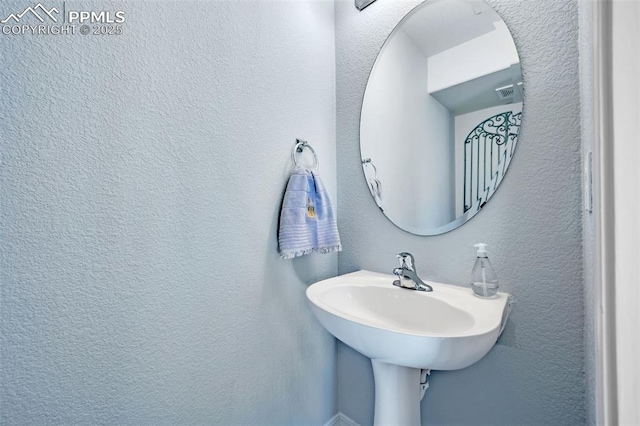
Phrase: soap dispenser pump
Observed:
(484, 281)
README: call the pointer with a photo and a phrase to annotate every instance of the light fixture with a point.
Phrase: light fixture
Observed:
(361, 4)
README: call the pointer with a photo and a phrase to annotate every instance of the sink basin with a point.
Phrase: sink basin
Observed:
(405, 332)
(447, 329)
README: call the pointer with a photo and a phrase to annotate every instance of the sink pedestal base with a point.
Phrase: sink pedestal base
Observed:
(397, 392)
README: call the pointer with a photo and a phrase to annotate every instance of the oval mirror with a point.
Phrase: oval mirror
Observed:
(441, 114)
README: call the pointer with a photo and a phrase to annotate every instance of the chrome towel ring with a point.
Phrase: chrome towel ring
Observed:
(369, 162)
(299, 147)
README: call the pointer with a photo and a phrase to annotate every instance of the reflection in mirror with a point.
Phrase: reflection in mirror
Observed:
(441, 115)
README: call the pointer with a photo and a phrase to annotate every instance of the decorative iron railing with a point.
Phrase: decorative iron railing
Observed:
(487, 153)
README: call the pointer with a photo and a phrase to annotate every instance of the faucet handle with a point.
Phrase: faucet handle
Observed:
(406, 260)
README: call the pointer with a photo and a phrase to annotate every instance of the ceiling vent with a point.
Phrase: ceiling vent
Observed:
(505, 92)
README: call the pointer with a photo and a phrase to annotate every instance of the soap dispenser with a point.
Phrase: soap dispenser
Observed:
(484, 280)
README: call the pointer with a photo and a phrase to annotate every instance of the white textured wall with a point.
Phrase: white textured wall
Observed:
(535, 374)
(588, 225)
(141, 177)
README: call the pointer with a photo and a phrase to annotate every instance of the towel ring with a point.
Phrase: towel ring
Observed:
(299, 147)
(369, 162)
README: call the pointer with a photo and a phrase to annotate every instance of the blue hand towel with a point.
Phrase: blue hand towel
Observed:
(307, 221)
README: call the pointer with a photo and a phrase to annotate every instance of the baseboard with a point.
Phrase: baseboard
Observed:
(340, 420)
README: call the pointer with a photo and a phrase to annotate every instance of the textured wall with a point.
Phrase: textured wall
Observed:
(534, 376)
(588, 223)
(141, 177)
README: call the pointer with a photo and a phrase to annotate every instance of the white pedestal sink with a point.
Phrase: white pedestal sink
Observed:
(405, 331)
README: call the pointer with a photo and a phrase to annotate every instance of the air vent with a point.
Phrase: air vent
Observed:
(505, 92)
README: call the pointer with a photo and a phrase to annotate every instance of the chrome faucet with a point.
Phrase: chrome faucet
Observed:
(407, 272)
